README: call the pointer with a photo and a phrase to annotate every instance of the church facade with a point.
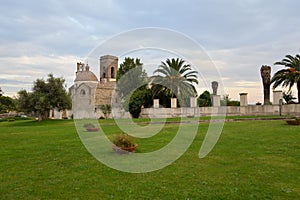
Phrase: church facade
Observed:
(88, 92)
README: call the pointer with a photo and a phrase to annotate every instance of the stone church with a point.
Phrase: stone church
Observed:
(89, 93)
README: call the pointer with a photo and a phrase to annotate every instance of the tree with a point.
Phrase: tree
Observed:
(41, 99)
(133, 76)
(45, 97)
(226, 101)
(127, 65)
(290, 75)
(59, 98)
(131, 85)
(175, 79)
(6, 104)
(288, 97)
(25, 101)
(139, 98)
(204, 99)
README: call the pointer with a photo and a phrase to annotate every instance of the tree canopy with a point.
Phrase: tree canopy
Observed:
(6, 103)
(288, 97)
(204, 99)
(175, 78)
(289, 76)
(132, 85)
(46, 95)
(127, 65)
(226, 101)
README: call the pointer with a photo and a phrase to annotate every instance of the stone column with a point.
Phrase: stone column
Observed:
(155, 103)
(277, 95)
(243, 99)
(216, 100)
(193, 102)
(173, 103)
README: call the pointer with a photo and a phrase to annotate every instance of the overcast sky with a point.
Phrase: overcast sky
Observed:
(42, 37)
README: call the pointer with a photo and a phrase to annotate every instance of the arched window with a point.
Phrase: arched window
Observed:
(112, 72)
(104, 72)
(82, 92)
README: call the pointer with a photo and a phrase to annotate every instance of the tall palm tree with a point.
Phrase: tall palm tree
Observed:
(290, 75)
(175, 79)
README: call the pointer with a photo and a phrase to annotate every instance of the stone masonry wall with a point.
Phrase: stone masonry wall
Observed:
(255, 110)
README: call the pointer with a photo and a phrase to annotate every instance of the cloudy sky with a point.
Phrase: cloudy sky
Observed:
(42, 37)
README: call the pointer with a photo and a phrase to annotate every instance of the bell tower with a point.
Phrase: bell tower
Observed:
(108, 68)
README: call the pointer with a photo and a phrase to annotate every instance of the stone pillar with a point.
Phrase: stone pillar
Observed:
(155, 103)
(193, 102)
(173, 103)
(216, 100)
(277, 95)
(243, 99)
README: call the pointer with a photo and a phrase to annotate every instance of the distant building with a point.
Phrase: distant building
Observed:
(89, 92)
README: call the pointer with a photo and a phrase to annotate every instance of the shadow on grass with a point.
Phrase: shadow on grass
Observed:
(33, 122)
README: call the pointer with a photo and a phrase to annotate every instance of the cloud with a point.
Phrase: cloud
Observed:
(21, 72)
(38, 37)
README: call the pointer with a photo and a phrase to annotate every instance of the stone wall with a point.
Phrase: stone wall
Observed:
(104, 93)
(255, 110)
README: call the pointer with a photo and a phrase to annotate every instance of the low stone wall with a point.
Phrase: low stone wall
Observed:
(259, 110)
(291, 109)
(169, 112)
(254, 110)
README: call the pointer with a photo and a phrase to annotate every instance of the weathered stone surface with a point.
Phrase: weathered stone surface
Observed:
(108, 68)
(173, 103)
(258, 110)
(104, 93)
(216, 100)
(193, 102)
(155, 103)
(243, 99)
(88, 93)
(277, 95)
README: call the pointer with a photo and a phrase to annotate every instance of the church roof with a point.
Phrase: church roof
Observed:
(86, 76)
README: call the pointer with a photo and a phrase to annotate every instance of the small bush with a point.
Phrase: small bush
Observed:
(123, 140)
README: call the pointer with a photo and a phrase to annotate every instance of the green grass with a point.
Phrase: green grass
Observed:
(252, 160)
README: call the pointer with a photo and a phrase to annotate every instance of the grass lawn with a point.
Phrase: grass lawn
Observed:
(252, 160)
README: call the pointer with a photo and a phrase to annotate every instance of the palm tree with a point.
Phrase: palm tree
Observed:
(175, 79)
(290, 75)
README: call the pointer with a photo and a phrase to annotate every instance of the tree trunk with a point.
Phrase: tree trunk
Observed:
(46, 114)
(266, 94)
(43, 115)
(40, 117)
(265, 72)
